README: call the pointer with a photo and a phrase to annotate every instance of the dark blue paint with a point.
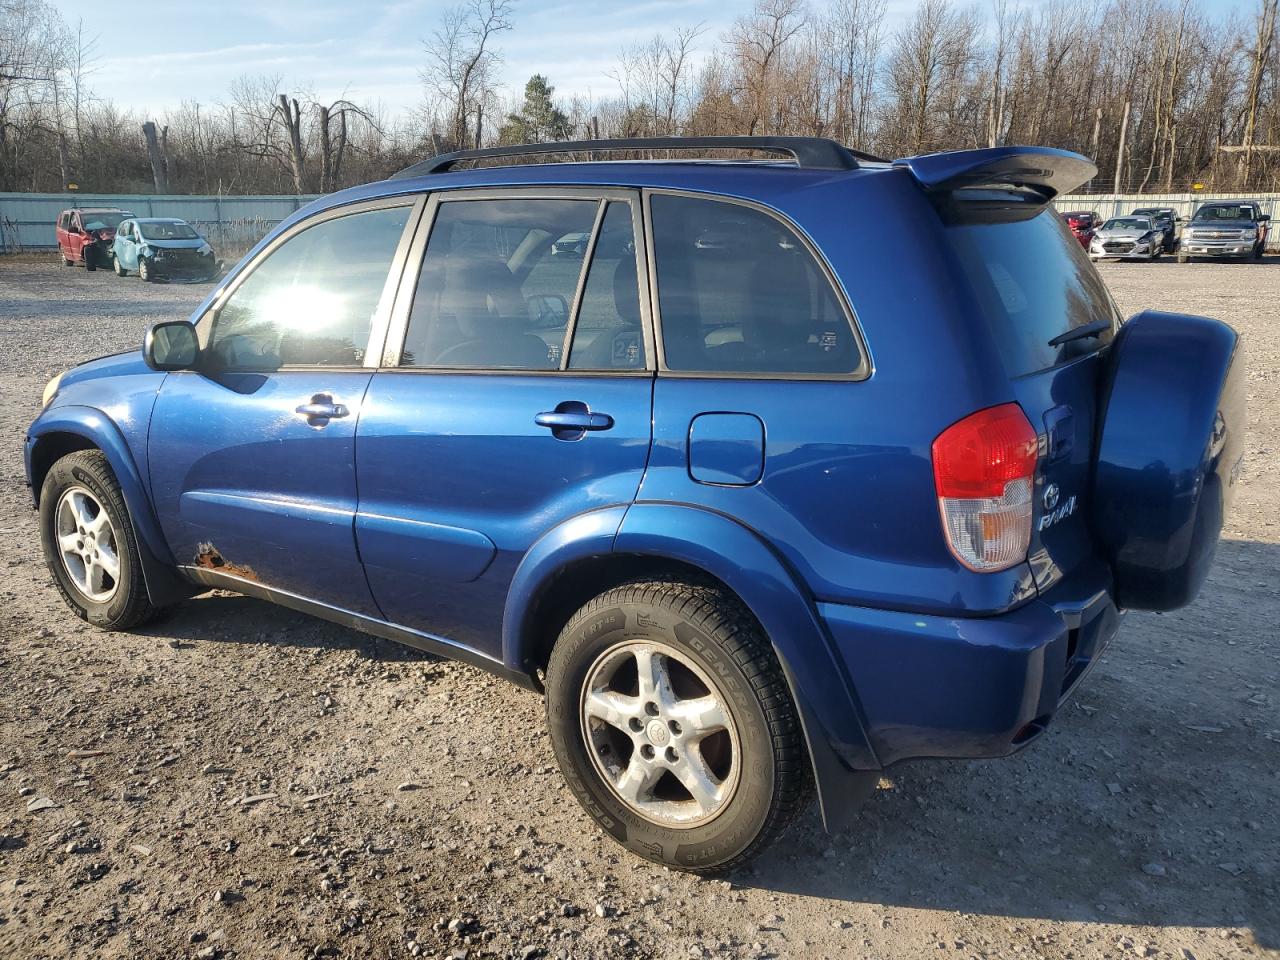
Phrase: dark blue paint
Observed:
(454, 504)
(462, 458)
(1165, 492)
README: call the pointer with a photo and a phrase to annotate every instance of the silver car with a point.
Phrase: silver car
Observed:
(1127, 238)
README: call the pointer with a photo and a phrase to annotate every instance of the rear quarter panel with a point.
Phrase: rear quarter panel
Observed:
(847, 494)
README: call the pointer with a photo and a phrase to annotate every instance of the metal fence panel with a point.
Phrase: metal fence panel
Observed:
(231, 223)
(27, 219)
(1115, 205)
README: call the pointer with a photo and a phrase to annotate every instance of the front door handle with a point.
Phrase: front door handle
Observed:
(572, 419)
(321, 410)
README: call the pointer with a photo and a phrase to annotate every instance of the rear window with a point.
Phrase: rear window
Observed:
(1033, 282)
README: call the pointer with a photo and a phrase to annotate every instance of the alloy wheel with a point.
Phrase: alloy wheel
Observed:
(87, 544)
(660, 734)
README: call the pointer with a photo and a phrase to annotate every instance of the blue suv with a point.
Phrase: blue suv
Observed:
(769, 474)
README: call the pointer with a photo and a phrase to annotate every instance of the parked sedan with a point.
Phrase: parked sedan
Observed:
(1125, 238)
(1167, 219)
(159, 248)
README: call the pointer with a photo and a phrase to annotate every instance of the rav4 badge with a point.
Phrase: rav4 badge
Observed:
(1053, 512)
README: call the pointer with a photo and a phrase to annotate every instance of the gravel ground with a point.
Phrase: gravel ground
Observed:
(242, 781)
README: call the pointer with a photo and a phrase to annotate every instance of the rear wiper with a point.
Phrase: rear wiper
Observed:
(1079, 333)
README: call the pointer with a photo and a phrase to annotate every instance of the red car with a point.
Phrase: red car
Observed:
(85, 236)
(1083, 224)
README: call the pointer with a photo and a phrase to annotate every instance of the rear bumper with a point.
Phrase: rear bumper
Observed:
(980, 687)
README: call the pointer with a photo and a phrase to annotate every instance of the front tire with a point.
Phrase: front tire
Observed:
(144, 270)
(1183, 258)
(89, 544)
(674, 726)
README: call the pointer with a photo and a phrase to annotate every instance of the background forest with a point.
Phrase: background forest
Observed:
(1160, 92)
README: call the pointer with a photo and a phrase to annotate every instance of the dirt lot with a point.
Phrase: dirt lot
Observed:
(410, 807)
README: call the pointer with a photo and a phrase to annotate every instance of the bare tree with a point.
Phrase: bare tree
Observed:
(930, 72)
(1260, 57)
(757, 41)
(461, 59)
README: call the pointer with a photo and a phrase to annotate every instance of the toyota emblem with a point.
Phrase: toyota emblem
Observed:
(1051, 496)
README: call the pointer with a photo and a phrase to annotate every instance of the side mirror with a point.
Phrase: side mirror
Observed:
(1264, 218)
(171, 345)
(548, 311)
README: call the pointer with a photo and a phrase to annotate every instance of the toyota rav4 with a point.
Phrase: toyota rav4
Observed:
(759, 496)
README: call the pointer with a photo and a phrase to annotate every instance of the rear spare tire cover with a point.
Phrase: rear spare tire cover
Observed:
(1169, 453)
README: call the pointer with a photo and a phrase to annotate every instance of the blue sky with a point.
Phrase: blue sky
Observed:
(370, 51)
(152, 56)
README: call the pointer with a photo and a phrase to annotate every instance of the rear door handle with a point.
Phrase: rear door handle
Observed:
(574, 421)
(321, 410)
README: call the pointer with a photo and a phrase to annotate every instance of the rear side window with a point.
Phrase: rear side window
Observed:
(739, 292)
(311, 302)
(607, 333)
(1033, 282)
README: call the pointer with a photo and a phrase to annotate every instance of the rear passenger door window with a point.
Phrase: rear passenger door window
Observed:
(740, 292)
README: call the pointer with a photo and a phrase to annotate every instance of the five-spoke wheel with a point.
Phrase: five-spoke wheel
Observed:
(659, 733)
(673, 723)
(88, 544)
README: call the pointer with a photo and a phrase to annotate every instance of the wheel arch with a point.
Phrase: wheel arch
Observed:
(67, 429)
(604, 548)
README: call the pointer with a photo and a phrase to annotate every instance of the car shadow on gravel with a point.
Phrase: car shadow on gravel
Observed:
(223, 617)
(1143, 805)
(1152, 800)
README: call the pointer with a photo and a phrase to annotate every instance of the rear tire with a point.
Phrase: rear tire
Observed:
(715, 713)
(120, 270)
(84, 523)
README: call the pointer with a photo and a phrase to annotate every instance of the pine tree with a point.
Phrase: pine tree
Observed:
(539, 119)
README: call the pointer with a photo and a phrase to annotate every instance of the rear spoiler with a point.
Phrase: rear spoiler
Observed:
(1005, 179)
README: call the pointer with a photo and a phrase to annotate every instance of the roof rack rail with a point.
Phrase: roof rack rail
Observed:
(809, 153)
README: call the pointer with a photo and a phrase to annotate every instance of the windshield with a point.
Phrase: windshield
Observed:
(1232, 212)
(1127, 223)
(1033, 281)
(102, 221)
(167, 230)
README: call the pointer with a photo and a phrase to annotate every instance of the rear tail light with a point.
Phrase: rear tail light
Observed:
(984, 470)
